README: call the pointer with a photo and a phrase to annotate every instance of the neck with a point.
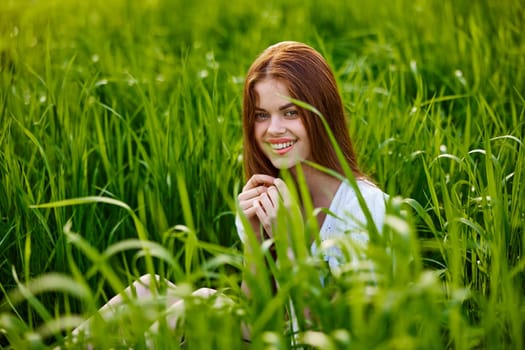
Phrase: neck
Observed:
(322, 187)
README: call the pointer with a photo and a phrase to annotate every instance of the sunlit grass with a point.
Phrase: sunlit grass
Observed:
(120, 155)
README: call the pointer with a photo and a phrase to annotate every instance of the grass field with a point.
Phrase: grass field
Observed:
(120, 155)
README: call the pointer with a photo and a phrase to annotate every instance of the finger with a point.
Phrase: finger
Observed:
(245, 206)
(259, 179)
(284, 192)
(263, 217)
(249, 212)
(251, 193)
(259, 211)
(247, 198)
(273, 194)
(267, 204)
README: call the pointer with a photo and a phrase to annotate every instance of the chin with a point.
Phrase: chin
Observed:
(282, 164)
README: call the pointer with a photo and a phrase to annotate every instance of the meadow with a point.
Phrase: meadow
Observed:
(121, 155)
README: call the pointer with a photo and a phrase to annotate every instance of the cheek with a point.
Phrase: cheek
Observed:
(307, 142)
(303, 131)
(257, 133)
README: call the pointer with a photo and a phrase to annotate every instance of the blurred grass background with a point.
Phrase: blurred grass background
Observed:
(140, 102)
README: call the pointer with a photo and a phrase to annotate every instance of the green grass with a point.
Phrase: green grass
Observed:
(134, 107)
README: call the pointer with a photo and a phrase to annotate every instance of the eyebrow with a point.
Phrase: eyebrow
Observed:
(286, 106)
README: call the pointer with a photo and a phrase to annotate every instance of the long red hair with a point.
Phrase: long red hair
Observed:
(310, 80)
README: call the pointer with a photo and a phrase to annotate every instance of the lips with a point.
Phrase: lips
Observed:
(282, 146)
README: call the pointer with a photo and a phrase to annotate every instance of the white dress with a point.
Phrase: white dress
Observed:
(345, 217)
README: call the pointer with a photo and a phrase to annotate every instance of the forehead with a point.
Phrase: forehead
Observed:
(271, 91)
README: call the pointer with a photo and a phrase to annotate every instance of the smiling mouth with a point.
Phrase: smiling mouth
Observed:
(282, 147)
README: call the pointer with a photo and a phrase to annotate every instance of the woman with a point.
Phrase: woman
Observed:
(279, 135)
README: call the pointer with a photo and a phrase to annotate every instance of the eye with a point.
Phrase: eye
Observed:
(291, 113)
(260, 116)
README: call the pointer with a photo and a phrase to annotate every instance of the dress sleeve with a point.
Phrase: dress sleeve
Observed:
(376, 202)
(240, 228)
(352, 222)
(353, 217)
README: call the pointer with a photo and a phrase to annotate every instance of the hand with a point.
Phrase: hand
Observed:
(259, 201)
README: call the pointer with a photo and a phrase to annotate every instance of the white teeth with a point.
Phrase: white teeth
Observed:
(278, 146)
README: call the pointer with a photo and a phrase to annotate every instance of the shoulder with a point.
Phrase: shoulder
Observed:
(372, 194)
(375, 200)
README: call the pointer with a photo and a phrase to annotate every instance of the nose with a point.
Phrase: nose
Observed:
(276, 126)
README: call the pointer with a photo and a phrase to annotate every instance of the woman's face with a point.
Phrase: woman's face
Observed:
(279, 129)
